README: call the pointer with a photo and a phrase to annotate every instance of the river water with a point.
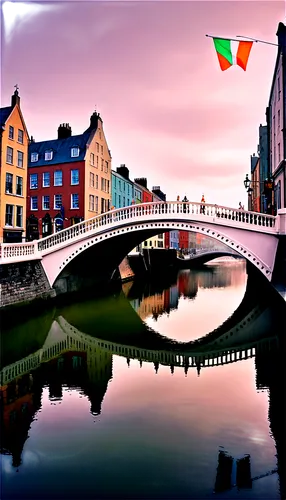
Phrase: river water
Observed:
(155, 392)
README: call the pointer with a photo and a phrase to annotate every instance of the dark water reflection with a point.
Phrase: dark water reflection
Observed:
(97, 403)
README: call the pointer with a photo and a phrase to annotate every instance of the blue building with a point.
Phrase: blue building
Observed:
(174, 239)
(122, 188)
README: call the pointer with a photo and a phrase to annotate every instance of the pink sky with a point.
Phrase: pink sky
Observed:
(170, 114)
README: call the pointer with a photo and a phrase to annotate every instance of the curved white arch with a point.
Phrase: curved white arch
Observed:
(254, 236)
(55, 261)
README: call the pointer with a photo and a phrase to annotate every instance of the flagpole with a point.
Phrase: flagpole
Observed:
(255, 40)
(241, 36)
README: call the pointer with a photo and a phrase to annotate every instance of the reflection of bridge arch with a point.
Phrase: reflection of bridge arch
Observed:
(69, 338)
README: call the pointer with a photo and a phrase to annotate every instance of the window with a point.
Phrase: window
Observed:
(9, 155)
(91, 202)
(19, 186)
(46, 179)
(92, 159)
(20, 159)
(102, 183)
(20, 136)
(9, 183)
(11, 132)
(74, 152)
(278, 120)
(58, 201)
(96, 204)
(34, 157)
(9, 215)
(33, 181)
(97, 162)
(74, 200)
(46, 202)
(102, 162)
(108, 186)
(97, 147)
(124, 201)
(48, 155)
(58, 178)
(96, 182)
(119, 201)
(91, 179)
(106, 166)
(19, 216)
(279, 88)
(102, 150)
(74, 177)
(34, 202)
(279, 156)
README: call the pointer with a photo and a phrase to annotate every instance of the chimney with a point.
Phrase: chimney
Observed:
(142, 181)
(64, 131)
(94, 120)
(15, 99)
(32, 139)
(124, 171)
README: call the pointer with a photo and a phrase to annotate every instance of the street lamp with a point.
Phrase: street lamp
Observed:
(246, 182)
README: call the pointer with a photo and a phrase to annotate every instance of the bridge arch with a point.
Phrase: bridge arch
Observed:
(253, 235)
(131, 233)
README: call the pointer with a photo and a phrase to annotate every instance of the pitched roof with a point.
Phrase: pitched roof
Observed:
(4, 114)
(61, 150)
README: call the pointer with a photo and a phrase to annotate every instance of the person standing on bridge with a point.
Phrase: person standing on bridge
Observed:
(202, 206)
(240, 207)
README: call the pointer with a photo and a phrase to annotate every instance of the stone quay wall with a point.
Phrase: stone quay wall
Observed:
(23, 282)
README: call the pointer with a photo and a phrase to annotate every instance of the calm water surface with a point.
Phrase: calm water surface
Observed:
(117, 399)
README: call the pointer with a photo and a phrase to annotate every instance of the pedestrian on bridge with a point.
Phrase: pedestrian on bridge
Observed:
(203, 206)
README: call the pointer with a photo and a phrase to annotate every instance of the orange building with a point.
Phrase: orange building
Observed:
(14, 141)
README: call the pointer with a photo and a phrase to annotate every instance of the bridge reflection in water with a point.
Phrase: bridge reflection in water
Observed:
(75, 354)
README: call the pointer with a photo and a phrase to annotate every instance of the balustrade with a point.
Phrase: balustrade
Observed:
(137, 212)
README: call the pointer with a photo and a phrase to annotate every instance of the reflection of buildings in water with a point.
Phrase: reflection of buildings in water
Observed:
(20, 400)
(271, 374)
(187, 284)
(220, 279)
(173, 297)
(153, 305)
(88, 371)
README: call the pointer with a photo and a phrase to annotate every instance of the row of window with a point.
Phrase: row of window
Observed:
(12, 134)
(10, 213)
(93, 204)
(46, 202)
(10, 157)
(121, 186)
(9, 185)
(49, 153)
(58, 179)
(117, 201)
(104, 164)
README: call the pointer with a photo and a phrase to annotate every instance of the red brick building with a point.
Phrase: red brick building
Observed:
(69, 179)
(183, 239)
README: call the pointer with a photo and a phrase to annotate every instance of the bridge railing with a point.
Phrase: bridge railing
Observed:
(14, 250)
(157, 208)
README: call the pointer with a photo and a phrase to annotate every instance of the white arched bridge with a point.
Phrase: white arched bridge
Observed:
(253, 235)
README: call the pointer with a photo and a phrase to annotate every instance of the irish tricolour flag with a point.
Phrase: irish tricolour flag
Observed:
(231, 52)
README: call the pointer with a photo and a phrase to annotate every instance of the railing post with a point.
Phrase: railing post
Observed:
(281, 220)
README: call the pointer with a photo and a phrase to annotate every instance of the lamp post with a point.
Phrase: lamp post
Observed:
(267, 192)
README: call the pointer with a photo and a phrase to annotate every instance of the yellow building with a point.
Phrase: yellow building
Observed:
(97, 171)
(13, 172)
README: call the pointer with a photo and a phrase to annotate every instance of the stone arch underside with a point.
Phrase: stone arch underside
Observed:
(111, 245)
